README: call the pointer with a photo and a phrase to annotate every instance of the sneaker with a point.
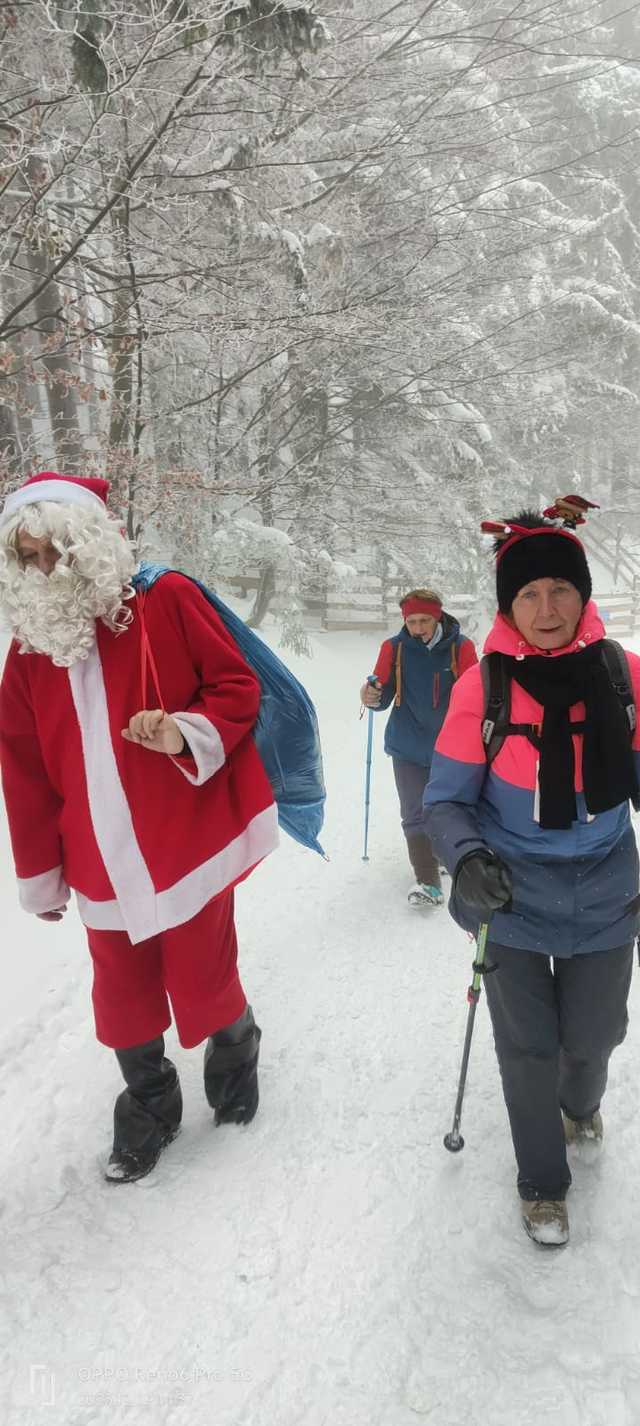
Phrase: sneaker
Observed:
(546, 1221)
(584, 1136)
(423, 895)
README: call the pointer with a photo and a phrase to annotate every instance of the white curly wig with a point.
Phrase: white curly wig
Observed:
(55, 614)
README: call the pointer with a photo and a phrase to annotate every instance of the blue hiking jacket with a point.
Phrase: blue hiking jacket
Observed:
(419, 686)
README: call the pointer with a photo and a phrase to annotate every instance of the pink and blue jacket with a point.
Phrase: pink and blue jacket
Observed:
(573, 891)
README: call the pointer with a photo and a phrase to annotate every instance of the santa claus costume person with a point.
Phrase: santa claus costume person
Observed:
(150, 814)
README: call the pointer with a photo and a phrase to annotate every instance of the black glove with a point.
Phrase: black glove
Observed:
(483, 882)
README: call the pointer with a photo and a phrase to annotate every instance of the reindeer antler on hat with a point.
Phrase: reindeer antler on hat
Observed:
(571, 509)
(501, 530)
(530, 547)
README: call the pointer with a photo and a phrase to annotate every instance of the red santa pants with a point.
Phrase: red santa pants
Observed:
(194, 966)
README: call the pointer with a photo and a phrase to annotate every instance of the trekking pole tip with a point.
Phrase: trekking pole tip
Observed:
(453, 1142)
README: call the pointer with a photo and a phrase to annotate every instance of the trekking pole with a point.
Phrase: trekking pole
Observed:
(367, 785)
(454, 1141)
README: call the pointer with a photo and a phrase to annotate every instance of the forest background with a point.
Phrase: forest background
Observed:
(319, 288)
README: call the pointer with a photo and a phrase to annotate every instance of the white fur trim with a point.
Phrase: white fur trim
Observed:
(110, 813)
(46, 892)
(99, 915)
(188, 896)
(60, 491)
(205, 743)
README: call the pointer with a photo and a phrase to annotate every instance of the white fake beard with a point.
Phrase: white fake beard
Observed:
(54, 614)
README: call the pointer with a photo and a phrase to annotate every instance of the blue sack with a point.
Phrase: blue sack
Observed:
(286, 731)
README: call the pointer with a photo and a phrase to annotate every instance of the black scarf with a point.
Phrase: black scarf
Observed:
(608, 766)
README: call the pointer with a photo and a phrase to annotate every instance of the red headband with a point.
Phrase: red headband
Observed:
(415, 605)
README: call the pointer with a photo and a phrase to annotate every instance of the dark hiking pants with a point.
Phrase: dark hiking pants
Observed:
(411, 781)
(555, 1026)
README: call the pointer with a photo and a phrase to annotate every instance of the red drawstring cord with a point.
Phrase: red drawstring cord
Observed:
(146, 654)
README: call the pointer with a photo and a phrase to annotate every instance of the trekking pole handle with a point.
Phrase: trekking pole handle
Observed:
(372, 681)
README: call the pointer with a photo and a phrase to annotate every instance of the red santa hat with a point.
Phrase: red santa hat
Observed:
(63, 489)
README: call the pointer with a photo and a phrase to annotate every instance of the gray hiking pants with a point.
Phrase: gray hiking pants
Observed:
(411, 781)
(555, 1026)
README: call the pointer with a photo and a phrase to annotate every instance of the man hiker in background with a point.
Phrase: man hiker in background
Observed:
(151, 814)
(528, 804)
(415, 672)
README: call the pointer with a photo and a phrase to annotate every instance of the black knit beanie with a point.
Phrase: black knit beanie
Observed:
(522, 558)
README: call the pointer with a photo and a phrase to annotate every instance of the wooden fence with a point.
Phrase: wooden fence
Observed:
(371, 606)
(359, 612)
(619, 613)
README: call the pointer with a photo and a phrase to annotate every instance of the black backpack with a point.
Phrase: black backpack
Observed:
(496, 683)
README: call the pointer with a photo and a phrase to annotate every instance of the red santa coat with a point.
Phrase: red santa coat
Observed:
(145, 840)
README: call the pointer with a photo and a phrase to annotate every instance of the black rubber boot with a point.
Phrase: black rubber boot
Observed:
(147, 1113)
(231, 1070)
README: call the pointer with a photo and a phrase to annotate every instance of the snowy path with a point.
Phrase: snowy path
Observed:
(329, 1265)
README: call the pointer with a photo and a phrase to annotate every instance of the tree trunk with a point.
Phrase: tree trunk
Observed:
(264, 594)
(55, 334)
(18, 424)
(61, 393)
(121, 423)
(9, 448)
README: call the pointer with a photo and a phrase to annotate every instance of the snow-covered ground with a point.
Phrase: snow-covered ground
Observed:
(330, 1264)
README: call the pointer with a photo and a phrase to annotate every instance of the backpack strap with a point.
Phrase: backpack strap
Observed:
(496, 724)
(454, 661)
(616, 664)
(497, 703)
(146, 654)
(398, 698)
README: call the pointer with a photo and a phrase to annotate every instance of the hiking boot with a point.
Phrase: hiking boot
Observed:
(423, 895)
(584, 1136)
(546, 1221)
